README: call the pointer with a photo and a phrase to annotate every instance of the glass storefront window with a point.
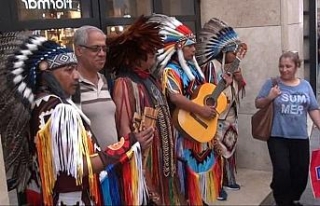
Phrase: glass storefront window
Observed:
(128, 8)
(178, 7)
(48, 9)
(62, 36)
(114, 30)
(191, 25)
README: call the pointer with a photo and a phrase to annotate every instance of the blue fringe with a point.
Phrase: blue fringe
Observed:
(110, 188)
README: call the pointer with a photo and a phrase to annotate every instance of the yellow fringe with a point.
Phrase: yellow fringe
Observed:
(43, 144)
(164, 80)
(134, 177)
(88, 149)
(45, 159)
(210, 185)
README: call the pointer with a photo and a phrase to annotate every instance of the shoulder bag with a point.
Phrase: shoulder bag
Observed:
(261, 121)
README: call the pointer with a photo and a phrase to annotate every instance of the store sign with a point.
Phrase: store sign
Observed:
(47, 4)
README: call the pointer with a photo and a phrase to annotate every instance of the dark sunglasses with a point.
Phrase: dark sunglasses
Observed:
(96, 48)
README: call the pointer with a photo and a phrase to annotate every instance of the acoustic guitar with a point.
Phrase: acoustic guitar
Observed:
(193, 125)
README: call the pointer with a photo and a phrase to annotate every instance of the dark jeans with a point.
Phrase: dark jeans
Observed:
(290, 161)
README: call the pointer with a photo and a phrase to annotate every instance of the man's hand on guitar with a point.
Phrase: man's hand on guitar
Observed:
(208, 112)
(227, 78)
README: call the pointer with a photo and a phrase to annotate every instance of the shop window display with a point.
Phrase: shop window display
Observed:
(178, 7)
(62, 36)
(128, 8)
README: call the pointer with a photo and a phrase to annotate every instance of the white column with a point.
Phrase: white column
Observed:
(4, 198)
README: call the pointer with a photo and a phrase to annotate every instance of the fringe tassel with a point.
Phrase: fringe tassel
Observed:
(138, 177)
(164, 81)
(203, 187)
(194, 192)
(105, 190)
(208, 187)
(113, 186)
(134, 190)
(67, 138)
(46, 168)
(93, 178)
(127, 182)
(61, 145)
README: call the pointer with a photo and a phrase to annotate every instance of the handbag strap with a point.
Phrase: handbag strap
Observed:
(274, 81)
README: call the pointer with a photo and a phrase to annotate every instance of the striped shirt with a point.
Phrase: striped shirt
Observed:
(97, 104)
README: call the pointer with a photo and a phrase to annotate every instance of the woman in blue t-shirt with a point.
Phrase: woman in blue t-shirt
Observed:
(293, 99)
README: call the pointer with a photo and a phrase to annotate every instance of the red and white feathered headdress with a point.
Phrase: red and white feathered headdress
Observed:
(175, 36)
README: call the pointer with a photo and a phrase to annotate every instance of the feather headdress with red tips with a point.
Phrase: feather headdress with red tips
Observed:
(175, 35)
(141, 38)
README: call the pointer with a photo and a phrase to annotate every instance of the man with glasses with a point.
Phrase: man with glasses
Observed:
(96, 102)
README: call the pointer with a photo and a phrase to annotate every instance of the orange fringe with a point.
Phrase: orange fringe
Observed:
(127, 182)
(193, 190)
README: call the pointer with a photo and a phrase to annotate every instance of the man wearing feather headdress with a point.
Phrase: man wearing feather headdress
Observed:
(38, 78)
(141, 105)
(219, 51)
(181, 76)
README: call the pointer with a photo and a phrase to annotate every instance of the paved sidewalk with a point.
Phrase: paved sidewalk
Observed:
(254, 188)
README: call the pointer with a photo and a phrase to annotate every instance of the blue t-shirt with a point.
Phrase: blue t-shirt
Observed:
(291, 108)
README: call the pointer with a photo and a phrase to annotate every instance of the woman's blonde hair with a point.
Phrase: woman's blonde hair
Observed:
(293, 55)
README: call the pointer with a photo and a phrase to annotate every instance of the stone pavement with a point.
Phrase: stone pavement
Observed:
(254, 188)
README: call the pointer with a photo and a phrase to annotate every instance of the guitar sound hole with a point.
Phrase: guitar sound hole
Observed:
(210, 102)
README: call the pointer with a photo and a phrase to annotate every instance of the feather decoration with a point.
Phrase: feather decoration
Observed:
(215, 37)
(133, 44)
(14, 116)
(175, 35)
(20, 54)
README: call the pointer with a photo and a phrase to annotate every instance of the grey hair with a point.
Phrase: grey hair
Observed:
(82, 33)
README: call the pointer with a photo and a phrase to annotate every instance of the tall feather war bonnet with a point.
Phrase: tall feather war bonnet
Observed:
(215, 39)
(175, 36)
(23, 58)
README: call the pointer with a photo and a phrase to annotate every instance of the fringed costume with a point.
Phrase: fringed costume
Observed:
(135, 93)
(54, 160)
(217, 41)
(198, 165)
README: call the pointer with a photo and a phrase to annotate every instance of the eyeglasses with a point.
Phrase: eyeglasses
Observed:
(96, 48)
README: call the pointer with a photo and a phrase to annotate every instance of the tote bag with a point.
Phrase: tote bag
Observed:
(261, 121)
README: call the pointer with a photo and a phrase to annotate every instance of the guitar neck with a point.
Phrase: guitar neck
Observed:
(222, 84)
